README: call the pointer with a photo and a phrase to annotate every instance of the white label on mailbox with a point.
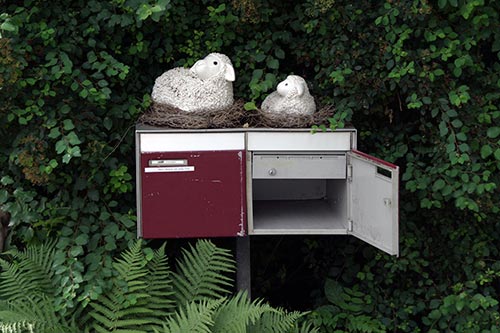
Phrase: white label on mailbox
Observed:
(167, 163)
(170, 169)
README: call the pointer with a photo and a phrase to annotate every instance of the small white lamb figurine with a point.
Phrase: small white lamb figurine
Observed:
(291, 97)
(207, 86)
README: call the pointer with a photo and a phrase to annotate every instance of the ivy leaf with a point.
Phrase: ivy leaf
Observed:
(3, 196)
(250, 106)
(7, 26)
(486, 151)
(61, 146)
(439, 184)
(82, 239)
(68, 124)
(54, 133)
(273, 63)
(497, 154)
(73, 138)
(493, 132)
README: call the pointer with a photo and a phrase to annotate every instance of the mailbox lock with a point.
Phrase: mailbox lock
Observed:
(272, 172)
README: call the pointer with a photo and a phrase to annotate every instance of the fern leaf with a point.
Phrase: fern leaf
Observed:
(159, 283)
(140, 296)
(17, 327)
(200, 273)
(39, 313)
(276, 321)
(238, 313)
(306, 328)
(28, 272)
(195, 317)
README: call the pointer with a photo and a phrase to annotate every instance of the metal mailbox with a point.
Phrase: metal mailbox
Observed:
(234, 182)
(190, 184)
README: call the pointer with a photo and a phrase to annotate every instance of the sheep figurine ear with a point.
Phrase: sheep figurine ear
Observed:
(194, 68)
(229, 74)
(300, 88)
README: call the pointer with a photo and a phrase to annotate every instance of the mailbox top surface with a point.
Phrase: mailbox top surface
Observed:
(254, 139)
(140, 128)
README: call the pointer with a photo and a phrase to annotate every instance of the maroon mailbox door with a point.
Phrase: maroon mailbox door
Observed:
(193, 194)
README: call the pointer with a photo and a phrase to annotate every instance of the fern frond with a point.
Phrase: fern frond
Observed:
(29, 272)
(141, 294)
(238, 313)
(130, 266)
(200, 273)
(159, 284)
(39, 313)
(195, 317)
(306, 328)
(276, 321)
(17, 327)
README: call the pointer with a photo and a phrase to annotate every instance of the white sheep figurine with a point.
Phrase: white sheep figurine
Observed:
(207, 86)
(291, 97)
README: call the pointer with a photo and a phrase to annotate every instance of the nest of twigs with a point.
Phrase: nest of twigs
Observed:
(161, 115)
(266, 119)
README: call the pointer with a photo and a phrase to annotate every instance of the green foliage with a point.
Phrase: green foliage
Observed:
(27, 272)
(33, 313)
(203, 272)
(349, 309)
(27, 292)
(141, 293)
(418, 79)
(141, 297)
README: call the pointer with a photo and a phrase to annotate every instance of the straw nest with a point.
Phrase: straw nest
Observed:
(162, 115)
(266, 119)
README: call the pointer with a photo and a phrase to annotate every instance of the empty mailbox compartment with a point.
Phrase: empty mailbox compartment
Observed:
(303, 183)
(299, 193)
(299, 206)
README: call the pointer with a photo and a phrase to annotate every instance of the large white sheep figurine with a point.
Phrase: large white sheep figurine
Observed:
(291, 97)
(207, 86)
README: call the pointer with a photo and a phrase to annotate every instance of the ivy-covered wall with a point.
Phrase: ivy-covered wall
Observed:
(419, 79)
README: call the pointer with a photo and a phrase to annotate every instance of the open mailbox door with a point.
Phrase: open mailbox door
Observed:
(374, 203)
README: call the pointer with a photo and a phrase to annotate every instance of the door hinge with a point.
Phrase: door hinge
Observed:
(349, 226)
(349, 173)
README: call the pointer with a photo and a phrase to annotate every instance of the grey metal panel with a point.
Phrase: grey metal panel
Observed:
(296, 217)
(311, 166)
(288, 189)
(373, 190)
(299, 141)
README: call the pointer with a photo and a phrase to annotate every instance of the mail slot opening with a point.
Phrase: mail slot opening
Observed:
(299, 206)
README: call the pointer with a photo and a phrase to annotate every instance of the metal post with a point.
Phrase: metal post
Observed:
(243, 267)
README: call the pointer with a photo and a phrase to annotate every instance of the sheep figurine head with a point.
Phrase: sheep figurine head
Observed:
(291, 97)
(214, 65)
(206, 86)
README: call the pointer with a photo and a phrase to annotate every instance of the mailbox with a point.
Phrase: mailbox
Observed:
(252, 181)
(190, 184)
